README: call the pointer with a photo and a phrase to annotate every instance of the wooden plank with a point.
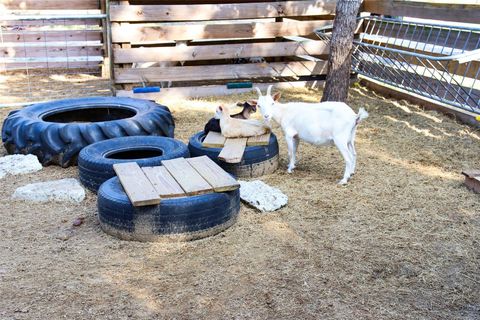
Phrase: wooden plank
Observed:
(223, 11)
(163, 182)
(221, 72)
(138, 188)
(29, 45)
(57, 35)
(460, 11)
(224, 51)
(213, 140)
(48, 4)
(65, 59)
(93, 65)
(215, 176)
(187, 177)
(41, 24)
(262, 140)
(215, 90)
(142, 34)
(62, 51)
(233, 149)
(471, 172)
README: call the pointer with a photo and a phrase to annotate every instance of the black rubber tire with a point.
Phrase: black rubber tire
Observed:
(95, 166)
(178, 219)
(25, 131)
(256, 161)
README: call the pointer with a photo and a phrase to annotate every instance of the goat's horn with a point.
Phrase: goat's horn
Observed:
(269, 89)
(258, 90)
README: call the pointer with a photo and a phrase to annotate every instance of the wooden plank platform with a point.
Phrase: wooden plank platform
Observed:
(214, 174)
(163, 182)
(213, 140)
(262, 140)
(136, 185)
(187, 177)
(233, 149)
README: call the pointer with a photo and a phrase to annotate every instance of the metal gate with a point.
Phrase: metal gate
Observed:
(436, 61)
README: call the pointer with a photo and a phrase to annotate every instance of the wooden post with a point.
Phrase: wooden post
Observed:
(340, 58)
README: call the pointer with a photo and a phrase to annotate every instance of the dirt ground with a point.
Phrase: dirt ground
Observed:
(400, 241)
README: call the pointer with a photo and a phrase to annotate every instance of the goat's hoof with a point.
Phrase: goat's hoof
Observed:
(289, 170)
(343, 182)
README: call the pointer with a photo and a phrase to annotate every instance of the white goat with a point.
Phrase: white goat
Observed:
(236, 128)
(317, 123)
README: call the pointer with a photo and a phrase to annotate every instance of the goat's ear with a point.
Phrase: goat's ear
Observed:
(277, 96)
(220, 108)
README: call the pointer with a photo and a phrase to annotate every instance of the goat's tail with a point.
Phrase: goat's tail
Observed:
(362, 114)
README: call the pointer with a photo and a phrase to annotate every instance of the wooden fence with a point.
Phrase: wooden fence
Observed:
(189, 44)
(51, 49)
(47, 40)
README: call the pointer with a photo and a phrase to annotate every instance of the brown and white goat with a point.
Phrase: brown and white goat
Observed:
(238, 128)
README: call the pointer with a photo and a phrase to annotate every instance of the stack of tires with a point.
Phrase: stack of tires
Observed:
(99, 132)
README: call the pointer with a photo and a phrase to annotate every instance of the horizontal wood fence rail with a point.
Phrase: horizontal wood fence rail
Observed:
(228, 11)
(140, 34)
(219, 72)
(225, 51)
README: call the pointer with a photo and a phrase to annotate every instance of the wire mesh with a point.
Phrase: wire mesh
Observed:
(51, 57)
(432, 60)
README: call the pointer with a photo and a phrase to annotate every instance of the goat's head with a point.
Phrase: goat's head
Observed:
(221, 110)
(266, 102)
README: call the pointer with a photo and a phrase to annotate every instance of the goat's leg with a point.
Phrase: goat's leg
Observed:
(342, 146)
(353, 152)
(296, 142)
(291, 152)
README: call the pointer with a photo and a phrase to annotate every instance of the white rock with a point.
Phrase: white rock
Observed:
(262, 196)
(55, 190)
(19, 164)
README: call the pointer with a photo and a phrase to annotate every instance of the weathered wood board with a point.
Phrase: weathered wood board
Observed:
(222, 11)
(222, 71)
(138, 188)
(233, 149)
(225, 51)
(219, 179)
(187, 177)
(145, 34)
(262, 140)
(471, 173)
(163, 182)
(213, 140)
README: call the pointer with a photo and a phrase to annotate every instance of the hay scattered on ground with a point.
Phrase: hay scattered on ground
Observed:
(401, 241)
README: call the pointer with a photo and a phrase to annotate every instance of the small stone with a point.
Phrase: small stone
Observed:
(78, 221)
(55, 190)
(18, 164)
(262, 196)
(64, 234)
